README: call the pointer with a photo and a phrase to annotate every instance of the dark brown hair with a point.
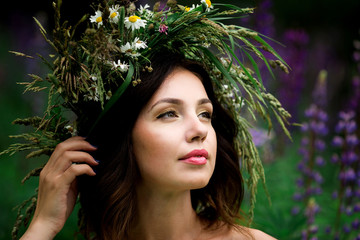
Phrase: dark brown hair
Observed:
(108, 201)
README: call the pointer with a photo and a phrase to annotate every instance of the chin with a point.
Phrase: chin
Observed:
(197, 182)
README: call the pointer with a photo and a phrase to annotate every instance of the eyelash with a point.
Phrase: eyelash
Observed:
(207, 115)
(166, 115)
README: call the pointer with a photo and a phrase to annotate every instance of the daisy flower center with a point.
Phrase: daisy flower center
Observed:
(134, 19)
(99, 19)
(114, 14)
(187, 9)
(208, 2)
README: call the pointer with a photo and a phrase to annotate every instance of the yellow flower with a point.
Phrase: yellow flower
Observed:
(134, 19)
(134, 22)
(97, 18)
(114, 14)
(208, 4)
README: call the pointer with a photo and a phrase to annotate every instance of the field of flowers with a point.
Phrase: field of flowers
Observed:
(313, 180)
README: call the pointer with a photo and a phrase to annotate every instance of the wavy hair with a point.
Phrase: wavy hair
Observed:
(108, 200)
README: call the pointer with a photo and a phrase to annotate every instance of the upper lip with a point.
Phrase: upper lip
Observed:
(196, 153)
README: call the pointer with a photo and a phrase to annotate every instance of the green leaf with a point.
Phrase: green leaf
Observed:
(172, 18)
(121, 22)
(219, 66)
(243, 68)
(255, 66)
(231, 6)
(260, 40)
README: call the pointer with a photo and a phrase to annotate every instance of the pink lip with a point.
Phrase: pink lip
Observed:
(196, 157)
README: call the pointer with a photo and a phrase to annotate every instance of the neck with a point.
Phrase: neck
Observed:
(165, 216)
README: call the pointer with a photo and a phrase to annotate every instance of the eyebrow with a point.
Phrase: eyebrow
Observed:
(176, 101)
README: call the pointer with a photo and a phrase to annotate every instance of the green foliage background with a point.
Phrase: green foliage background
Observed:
(331, 18)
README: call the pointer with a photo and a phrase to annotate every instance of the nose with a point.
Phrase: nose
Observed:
(196, 130)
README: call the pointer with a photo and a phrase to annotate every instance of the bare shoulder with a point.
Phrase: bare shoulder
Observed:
(236, 233)
(249, 234)
(257, 234)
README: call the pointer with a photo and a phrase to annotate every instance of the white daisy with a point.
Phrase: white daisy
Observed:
(142, 9)
(114, 14)
(97, 18)
(188, 9)
(123, 67)
(132, 54)
(208, 4)
(145, 12)
(138, 44)
(125, 48)
(134, 22)
(128, 50)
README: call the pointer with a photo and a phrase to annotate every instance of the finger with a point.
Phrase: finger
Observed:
(76, 170)
(71, 144)
(70, 157)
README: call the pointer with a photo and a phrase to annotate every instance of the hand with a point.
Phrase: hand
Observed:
(57, 187)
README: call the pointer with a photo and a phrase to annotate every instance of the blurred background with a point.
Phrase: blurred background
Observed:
(313, 180)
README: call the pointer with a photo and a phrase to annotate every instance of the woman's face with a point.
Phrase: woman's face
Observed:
(173, 140)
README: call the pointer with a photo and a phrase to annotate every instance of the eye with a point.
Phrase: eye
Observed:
(168, 114)
(206, 115)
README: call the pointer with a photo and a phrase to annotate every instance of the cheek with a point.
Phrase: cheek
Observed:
(150, 147)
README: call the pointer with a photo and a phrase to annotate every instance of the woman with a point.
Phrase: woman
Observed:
(160, 159)
(173, 173)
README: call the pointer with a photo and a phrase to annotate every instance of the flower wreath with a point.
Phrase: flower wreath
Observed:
(97, 67)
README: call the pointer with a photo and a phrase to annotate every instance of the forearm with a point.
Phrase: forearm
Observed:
(39, 230)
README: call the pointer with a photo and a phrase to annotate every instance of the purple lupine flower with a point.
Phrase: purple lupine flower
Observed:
(348, 161)
(334, 195)
(348, 192)
(311, 149)
(260, 136)
(318, 178)
(319, 145)
(357, 207)
(348, 158)
(335, 158)
(347, 116)
(295, 210)
(347, 175)
(355, 224)
(298, 197)
(338, 141)
(346, 229)
(313, 229)
(352, 140)
(349, 211)
(320, 161)
(328, 230)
